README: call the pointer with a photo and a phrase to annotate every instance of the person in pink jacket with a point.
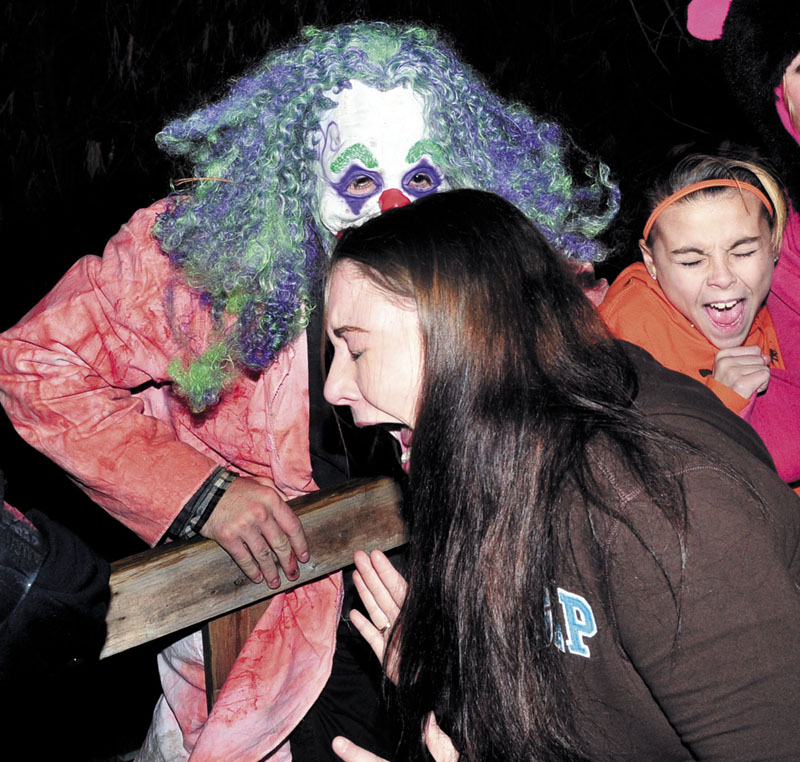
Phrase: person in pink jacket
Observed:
(758, 47)
(178, 379)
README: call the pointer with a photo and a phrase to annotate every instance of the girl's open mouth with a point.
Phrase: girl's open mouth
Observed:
(726, 315)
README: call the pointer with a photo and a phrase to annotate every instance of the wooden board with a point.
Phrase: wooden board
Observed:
(175, 586)
(223, 638)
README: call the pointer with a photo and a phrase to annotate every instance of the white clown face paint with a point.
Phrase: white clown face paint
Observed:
(372, 155)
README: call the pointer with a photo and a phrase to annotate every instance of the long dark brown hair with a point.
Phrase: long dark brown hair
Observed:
(520, 377)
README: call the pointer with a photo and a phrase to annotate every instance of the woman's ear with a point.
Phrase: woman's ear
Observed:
(647, 257)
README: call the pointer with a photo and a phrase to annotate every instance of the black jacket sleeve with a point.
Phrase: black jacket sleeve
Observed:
(53, 597)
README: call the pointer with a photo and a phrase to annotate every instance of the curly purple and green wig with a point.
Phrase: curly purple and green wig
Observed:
(254, 246)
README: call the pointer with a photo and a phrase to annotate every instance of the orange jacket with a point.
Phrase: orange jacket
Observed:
(636, 310)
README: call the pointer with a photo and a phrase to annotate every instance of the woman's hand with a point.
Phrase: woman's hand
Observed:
(743, 369)
(383, 590)
(349, 752)
(438, 742)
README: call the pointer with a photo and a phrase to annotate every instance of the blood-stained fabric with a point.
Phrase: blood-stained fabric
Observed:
(84, 379)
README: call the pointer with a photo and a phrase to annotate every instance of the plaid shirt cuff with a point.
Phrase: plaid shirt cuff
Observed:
(195, 513)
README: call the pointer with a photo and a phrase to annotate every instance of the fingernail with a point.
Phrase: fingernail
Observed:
(294, 574)
(273, 583)
(305, 556)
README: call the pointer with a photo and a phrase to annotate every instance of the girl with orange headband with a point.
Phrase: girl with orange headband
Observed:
(697, 301)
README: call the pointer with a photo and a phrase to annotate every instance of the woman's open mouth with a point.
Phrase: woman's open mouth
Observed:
(404, 436)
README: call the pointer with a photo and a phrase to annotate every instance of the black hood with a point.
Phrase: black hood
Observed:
(759, 40)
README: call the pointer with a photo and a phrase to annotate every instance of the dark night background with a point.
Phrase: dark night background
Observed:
(87, 84)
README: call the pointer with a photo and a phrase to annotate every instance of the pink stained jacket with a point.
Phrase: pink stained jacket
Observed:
(83, 378)
(780, 427)
(778, 423)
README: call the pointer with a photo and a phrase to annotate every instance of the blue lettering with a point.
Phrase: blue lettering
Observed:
(556, 636)
(579, 621)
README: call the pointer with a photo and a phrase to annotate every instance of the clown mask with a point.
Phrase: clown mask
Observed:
(373, 155)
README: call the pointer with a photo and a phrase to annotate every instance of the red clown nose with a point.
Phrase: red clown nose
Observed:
(392, 199)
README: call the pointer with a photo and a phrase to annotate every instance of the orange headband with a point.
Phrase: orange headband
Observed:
(722, 182)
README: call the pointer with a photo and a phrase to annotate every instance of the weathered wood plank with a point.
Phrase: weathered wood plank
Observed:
(223, 638)
(175, 586)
